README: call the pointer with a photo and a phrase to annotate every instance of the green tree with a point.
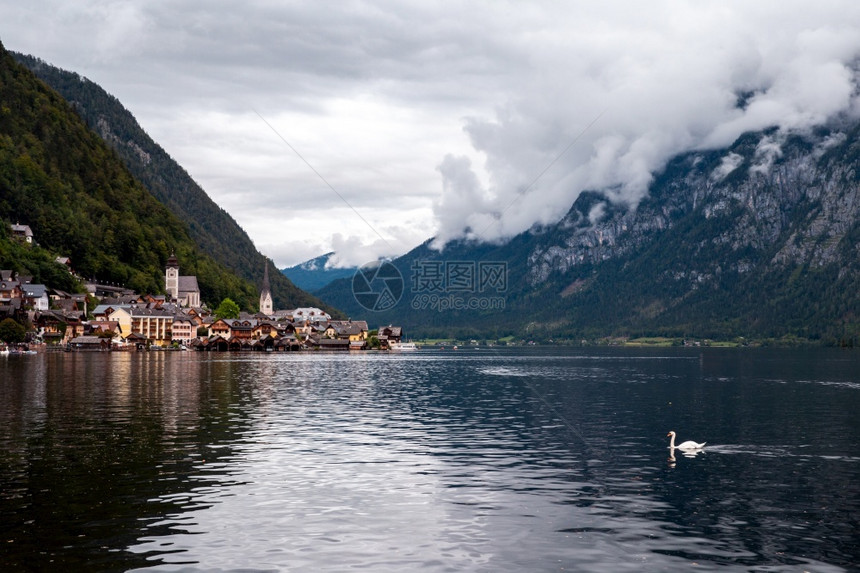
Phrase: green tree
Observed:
(12, 332)
(227, 309)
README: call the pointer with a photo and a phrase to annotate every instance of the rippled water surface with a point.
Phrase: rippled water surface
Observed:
(469, 460)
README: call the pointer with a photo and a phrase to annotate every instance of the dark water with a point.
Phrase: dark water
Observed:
(474, 460)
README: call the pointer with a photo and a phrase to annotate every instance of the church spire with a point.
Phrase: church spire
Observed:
(266, 306)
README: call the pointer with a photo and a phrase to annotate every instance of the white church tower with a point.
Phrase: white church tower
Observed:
(266, 305)
(171, 277)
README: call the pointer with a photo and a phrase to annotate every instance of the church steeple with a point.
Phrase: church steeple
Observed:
(266, 306)
(171, 277)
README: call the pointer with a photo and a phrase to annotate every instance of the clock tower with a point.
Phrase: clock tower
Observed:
(171, 277)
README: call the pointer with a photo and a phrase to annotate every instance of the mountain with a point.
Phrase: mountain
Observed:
(313, 274)
(213, 229)
(70, 188)
(758, 240)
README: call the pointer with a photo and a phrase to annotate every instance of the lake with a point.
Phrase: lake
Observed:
(489, 459)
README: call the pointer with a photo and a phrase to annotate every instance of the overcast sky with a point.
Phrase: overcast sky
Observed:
(368, 127)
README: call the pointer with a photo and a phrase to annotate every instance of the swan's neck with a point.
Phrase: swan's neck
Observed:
(672, 441)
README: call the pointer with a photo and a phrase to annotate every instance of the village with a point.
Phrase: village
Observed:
(124, 320)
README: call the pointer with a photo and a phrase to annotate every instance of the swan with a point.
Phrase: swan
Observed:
(688, 445)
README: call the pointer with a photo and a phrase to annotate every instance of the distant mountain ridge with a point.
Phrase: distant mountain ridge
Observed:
(210, 226)
(761, 239)
(313, 274)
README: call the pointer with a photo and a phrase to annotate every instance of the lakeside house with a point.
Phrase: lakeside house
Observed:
(184, 329)
(387, 335)
(90, 344)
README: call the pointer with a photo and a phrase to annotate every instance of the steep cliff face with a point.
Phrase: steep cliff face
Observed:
(772, 201)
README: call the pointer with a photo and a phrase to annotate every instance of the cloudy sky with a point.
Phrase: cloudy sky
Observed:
(367, 127)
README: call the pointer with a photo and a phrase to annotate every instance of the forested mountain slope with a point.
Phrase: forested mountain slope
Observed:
(80, 200)
(213, 229)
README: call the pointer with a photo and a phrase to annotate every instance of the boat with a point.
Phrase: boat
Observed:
(402, 346)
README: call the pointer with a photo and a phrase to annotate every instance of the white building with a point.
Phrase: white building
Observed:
(184, 330)
(23, 232)
(184, 290)
(310, 314)
(36, 295)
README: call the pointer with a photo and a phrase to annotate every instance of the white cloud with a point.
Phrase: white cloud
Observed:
(728, 164)
(433, 118)
(669, 78)
(768, 150)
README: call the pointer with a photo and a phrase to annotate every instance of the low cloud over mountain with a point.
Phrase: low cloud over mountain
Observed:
(444, 118)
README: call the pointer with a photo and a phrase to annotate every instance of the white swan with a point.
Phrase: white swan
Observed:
(688, 445)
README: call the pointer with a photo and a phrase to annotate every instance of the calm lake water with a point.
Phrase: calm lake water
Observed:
(535, 459)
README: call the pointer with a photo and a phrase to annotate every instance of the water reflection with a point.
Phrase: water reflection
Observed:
(503, 461)
(90, 443)
(686, 453)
